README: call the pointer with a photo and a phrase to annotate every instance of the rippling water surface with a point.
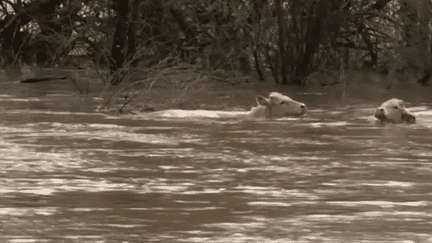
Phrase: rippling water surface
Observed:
(334, 175)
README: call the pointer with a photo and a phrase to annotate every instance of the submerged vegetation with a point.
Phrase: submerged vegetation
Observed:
(134, 45)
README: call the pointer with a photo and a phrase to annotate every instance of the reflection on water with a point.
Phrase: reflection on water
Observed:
(331, 176)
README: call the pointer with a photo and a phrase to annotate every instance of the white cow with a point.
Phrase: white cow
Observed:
(394, 111)
(276, 106)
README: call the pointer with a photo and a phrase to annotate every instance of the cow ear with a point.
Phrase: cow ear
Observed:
(262, 100)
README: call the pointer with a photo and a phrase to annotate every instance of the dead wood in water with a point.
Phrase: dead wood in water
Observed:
(41, 79)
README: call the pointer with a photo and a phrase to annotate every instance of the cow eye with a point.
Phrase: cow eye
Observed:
(283, 102)
(396, 107)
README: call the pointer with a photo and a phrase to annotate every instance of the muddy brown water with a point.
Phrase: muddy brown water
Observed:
(334, 175)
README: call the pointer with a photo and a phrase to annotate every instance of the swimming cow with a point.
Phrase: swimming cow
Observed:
(394, 111)
(276, 106)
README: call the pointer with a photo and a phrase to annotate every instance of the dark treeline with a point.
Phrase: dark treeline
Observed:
(286, 40)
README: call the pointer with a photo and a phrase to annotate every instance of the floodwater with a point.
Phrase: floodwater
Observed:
(334, 175)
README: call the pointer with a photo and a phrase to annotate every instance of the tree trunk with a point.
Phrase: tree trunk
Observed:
(282, 56)
(118, 48)
(258, 66)
(273, 67)
(318, 12)
(134, 26)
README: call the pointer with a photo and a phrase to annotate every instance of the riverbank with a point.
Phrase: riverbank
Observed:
(177, 91)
